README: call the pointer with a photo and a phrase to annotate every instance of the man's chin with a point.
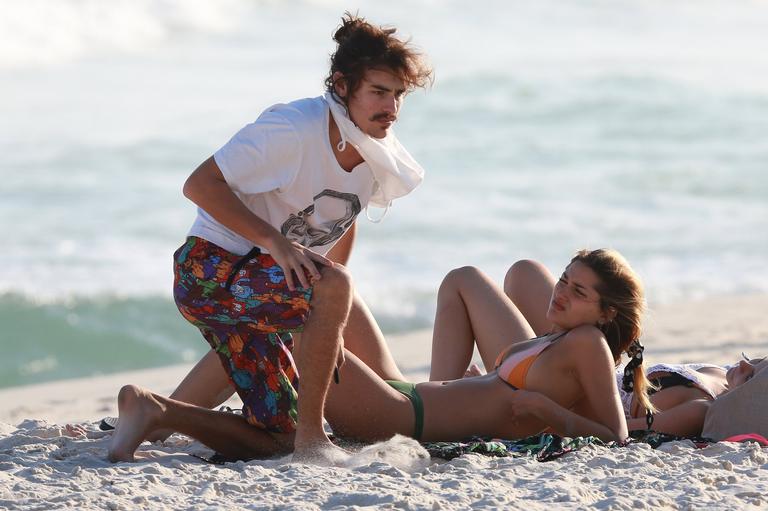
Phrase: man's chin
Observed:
(380, 129)
(382, 133)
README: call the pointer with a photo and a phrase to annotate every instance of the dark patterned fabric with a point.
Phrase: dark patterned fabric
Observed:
(546, 446)
(248, 323)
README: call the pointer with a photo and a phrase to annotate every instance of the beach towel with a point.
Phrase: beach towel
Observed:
(546, 446)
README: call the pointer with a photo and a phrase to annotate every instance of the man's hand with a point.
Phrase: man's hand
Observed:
(293, 257)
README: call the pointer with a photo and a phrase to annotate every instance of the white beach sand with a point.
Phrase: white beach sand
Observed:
(43, 468)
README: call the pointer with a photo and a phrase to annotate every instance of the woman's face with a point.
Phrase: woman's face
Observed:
(744, 371)
(575, 301)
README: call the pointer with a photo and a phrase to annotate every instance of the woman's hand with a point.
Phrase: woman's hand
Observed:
(293, 257)
(526, 404)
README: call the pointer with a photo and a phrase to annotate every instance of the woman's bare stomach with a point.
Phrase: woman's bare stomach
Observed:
(477, 406)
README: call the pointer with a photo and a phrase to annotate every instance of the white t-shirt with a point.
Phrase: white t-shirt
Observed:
(284, 170)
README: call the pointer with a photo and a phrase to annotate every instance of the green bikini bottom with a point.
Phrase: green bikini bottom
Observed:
(409, 390)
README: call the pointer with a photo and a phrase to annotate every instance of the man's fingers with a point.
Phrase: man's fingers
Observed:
(320, 259)
(288, 277)
(302, 276)
(310, 266)
(298, 260)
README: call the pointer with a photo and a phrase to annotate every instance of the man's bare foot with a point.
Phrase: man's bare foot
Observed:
(474, 370)
(109, 424)
(320, 453)
(139, 412)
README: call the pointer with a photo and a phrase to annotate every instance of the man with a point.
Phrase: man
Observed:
(273, 202)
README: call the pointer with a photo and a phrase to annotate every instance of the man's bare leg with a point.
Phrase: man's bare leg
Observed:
(206, 385)
(142, 412)
(315, 360)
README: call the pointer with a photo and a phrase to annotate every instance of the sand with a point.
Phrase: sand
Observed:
(43, 467)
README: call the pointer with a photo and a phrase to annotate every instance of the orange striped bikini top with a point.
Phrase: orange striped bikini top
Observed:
(513, 368)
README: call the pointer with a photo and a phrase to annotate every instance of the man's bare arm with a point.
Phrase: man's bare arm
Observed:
(342, 250)
(207, 188)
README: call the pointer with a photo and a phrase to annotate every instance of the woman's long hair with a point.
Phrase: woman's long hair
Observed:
(620, 290)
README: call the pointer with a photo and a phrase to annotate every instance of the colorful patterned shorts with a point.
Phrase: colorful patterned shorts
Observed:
(247, 318)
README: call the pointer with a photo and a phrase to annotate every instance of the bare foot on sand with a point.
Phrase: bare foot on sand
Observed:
(139, 412)
(320, 453)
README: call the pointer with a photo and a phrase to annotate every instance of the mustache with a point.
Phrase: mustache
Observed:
(383, 116)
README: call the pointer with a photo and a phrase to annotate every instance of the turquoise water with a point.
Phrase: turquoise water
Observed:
(552, 125)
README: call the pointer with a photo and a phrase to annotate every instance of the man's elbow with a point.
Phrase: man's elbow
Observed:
(202, 181)
(190, 188)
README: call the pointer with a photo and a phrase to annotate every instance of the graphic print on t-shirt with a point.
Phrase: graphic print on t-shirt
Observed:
(345, 206)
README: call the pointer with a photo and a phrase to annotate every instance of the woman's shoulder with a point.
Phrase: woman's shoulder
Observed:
(585, 337)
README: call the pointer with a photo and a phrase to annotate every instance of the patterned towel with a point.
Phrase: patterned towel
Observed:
(546, 446)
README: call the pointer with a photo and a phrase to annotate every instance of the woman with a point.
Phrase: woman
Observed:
(682, 392)
(561, 379)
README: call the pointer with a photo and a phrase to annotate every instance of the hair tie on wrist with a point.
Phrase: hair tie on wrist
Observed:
(635, 352)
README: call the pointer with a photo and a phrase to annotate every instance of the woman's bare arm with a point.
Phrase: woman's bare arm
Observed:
(686, 419)
(593, 365)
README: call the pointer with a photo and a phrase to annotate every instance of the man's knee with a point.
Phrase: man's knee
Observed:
(334, 280)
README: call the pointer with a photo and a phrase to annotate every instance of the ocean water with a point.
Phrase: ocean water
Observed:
(552, 125)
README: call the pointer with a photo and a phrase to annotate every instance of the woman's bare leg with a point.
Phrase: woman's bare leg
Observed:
(363, 337)
(206, 385)
(471, 308)
(363, 406)
(529, 284)
(141, 412)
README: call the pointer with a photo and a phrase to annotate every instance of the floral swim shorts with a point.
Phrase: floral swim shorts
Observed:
(244, 309)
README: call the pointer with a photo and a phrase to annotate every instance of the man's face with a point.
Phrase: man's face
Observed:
(374, 106)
